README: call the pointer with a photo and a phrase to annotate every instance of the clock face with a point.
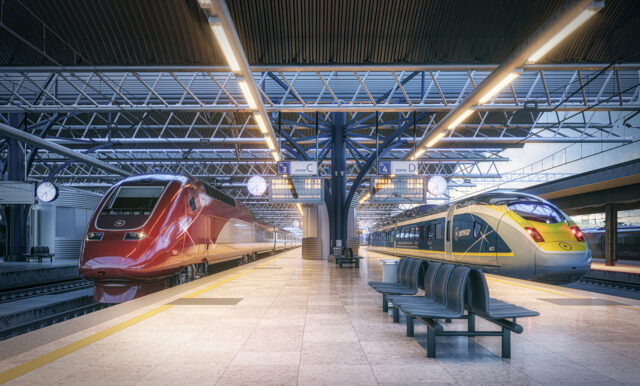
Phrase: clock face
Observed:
(256, 185)
(47, 192)
(437, 185)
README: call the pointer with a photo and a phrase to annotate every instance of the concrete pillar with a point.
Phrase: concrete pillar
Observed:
(610, 234)
(315, 232)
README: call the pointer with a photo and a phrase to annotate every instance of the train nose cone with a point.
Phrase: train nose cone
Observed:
(562, 262)
(104, 267)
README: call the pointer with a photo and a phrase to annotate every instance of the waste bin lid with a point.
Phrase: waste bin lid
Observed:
(389, 261)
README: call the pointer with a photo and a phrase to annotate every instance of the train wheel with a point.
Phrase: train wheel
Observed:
(190, 271)
(254, 256)
(204, 268)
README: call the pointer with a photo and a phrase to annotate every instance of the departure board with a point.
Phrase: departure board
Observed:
(303, 190)
(397, 190)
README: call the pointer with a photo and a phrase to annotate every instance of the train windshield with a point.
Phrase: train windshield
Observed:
(537, 211)
(137, 199)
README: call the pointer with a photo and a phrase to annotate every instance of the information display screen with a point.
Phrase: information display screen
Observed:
(303, 190)
(398, 190)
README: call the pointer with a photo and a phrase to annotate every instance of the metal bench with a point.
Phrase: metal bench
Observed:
(347, 258)
(39, 253)
(408, 278)
(454, 291)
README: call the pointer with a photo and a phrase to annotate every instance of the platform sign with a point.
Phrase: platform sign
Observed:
(291, 190)
(398, 168)
(16, 192)
(298, 168)
(398, 190)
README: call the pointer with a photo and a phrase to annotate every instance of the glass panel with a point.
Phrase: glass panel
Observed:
(135, 198)
(536, 211)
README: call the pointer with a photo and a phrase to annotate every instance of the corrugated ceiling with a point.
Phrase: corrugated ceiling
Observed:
(136, 32)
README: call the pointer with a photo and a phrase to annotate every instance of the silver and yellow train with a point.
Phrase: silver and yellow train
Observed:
(507, 233)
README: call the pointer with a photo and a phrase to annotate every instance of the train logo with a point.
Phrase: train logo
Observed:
(119, 223)
(565, 246)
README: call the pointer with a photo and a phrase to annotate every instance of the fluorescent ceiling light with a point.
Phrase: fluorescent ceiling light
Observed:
(364, 198)
(418, 153)
(276, 156)
(225, 46)
(244, 87)
(496, 89)
(566, 31)
(260, 121)
(436, 138)
(300, 208)
(460, 119)
(270, 143)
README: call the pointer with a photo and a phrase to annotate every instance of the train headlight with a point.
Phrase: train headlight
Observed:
(577, 233)
(134, 236)
(535, 235)
(94, 236)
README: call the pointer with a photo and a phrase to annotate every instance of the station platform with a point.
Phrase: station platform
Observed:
(22, 274)
(285, 320)
(626, 266)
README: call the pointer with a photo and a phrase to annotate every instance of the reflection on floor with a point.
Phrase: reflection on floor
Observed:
(308, 322)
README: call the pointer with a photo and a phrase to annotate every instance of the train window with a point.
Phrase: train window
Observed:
(537, 211)
(476, 229)
(430, 232)
(439, 231)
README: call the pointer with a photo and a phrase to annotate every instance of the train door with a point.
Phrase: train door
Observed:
(422, 237)
(448, 230)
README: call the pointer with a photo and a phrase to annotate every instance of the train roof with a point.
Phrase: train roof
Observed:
(494, 197)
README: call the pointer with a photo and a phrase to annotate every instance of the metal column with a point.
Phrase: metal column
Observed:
(610, 234)
(338, 179)
(16, 214)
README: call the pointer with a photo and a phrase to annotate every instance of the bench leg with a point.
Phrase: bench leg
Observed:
(385, 303)
(471, 322)
(396, 315)
(431, 342)
(506, 343)
(409, 325)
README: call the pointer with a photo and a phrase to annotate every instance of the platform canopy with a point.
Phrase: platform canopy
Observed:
(143, 86)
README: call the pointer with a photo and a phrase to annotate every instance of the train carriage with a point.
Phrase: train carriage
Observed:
(508, 233)
(153, 228)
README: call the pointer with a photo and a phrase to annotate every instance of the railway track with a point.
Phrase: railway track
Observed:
(611, 284)
(54, 288)
(28, 309)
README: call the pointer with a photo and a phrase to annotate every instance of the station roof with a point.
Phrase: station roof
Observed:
(152, 32)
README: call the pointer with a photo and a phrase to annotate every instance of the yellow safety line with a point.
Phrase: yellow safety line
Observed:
(33, 364)
(536, 288)
(628, 307)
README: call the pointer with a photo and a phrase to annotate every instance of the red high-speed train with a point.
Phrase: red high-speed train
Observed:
(151, 231)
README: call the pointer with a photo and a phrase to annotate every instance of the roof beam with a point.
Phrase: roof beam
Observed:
(550, 31)
(59, 149)
(218, 13)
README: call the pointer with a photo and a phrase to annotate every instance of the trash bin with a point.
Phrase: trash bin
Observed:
(389, 270)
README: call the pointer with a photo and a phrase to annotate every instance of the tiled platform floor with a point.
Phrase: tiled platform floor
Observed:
(310, 323)
(627, 266)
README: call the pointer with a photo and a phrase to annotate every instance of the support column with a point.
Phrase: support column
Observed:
(315, 232)
(610, 234)
(338, 179)
(16, 214)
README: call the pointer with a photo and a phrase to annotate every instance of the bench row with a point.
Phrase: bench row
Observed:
(450, 292)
